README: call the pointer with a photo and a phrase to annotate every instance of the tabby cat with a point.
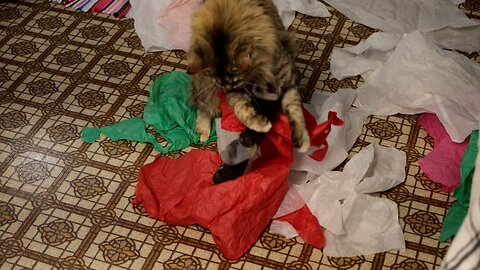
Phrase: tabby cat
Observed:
(243, 47)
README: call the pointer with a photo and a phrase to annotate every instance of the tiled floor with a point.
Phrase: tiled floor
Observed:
(66, 204)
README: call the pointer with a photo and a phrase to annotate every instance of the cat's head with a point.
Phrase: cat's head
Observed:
(232, 42)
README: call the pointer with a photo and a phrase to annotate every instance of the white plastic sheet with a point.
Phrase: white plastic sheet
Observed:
(420, 77)
(355, 222)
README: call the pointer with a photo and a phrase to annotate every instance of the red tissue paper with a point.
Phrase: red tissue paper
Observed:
(442, 165)
(181, 192)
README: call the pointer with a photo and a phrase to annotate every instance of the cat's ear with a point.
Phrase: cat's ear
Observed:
(244, 60)
(195, 63)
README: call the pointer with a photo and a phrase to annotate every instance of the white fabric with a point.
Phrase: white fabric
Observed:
(420, 77)
(356, 223)
(399, 16)
(158, 35)
(341, 138)
(464, 252)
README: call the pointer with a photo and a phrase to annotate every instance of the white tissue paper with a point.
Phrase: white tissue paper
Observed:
(228, 145)
(355, 222)
(463, 39)
(420, 77)
(440, 19)
(365, 57)
(160, 27)
(153, 36)
(398, 16)
(287, 9)
(341, 138)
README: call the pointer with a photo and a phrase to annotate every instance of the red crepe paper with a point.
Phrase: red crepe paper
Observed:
(306, 225)
(319, 133)
(181, 192)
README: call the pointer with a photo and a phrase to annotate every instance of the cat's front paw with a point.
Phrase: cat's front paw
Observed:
(204, 135)
(203, 126)
(259, 124)
(301, 139)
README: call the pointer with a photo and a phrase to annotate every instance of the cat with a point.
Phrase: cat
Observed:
(235, 43)
(242, 47)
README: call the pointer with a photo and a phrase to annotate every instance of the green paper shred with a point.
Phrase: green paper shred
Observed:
(167, 111)
(458, 211)
(90, 134)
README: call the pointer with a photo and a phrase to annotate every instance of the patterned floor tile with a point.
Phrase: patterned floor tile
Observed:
(66, 204)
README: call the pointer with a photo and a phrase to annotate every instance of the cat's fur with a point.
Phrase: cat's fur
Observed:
(236, 44)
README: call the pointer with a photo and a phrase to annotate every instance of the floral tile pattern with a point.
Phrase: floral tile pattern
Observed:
(66, 204)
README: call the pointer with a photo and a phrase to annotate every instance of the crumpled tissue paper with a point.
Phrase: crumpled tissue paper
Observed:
(420, 77)
(167, 111)
(365, 57)
(399, 16)
(442, 165)
(449, 26)
(355, 222)
(312, 8)
(341, 138)
(236, 212)
(160, 25)
(165, 25)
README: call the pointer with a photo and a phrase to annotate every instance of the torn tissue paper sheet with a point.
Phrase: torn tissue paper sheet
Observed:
(420, 77)
(397, 16)
(173, 30)
(165, 25)
(452, 28)
(341, 138)
(365, 57)
(442, 165)
(287, 9)
(355, 222)
(463, 39)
